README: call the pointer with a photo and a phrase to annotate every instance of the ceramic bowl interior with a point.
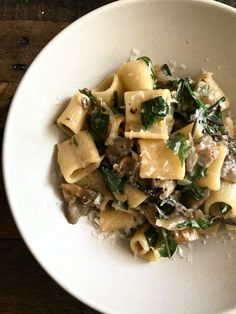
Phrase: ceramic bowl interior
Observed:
(102, 272)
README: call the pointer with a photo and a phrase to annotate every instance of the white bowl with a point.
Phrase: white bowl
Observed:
(103, 273)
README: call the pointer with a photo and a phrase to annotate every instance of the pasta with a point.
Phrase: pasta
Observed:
(72, 119)
(109, 91)
(133, 124)
(150, 155)
(78, 156)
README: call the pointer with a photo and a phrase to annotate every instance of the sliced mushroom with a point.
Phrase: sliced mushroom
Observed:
(79, 201)
(118, 148)
(72, 212)
(87, 196)
(206, 150)
(167, 187)
(129, 168)
(185, 235)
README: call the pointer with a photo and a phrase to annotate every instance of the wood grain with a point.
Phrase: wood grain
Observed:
(26, 289)
(26, 26)
(47, 10)
(13, 50)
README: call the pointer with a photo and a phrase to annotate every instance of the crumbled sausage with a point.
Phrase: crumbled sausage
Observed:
(206, 150)
(118, 148)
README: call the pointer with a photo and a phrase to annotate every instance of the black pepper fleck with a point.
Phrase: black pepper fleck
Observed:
(133, 111)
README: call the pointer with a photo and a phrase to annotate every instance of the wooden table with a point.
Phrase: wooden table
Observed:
(25, 28)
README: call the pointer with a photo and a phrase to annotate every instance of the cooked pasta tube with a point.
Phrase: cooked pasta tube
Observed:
(133, 122)
(140, 247)
(226, 195)
(78, 156)
(159, 161)
(136, 75)
(72, 119)
(110, 91)
(135, 197)
(212, 180)
(114, 220)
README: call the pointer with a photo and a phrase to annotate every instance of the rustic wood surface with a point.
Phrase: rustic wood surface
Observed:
(26, 26)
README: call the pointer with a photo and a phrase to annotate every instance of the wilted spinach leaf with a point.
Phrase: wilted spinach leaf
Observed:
(201, 223)
(194, 191)
(151, 235)
(212, 118)
(112, 180)
(97, 123)
(178, 143)
(149, 63)
(167, 243)
(187, 100)
(88, 93)
(153, 110)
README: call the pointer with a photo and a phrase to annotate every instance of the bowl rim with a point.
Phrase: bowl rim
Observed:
(78, 295)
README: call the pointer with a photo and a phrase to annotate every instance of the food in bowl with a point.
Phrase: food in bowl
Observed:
(150, 155)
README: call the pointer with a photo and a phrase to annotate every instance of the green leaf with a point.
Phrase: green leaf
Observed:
(212, 118)
(187, 100)
(166, 70)
(199, 172)
(97, 124)
(153, 110)
(178, 143)
(188, 223)
(112, 180)
(196, 100)
(149, 63)
(167, 243)
(88, 93)
(115, 108)
(151, 235)
(194, 191)
(201, 223)
(162, 239)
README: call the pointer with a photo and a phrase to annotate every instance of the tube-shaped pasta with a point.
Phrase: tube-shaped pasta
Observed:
(212, 179)
(133, 122)
(136, 75)
(139, 246)
(188, 129)
(72, 119)
(78, 156)
(135, 197)
(209, 91)
(226, 195)
(114, 220)
(158, 161)
(110, 91)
